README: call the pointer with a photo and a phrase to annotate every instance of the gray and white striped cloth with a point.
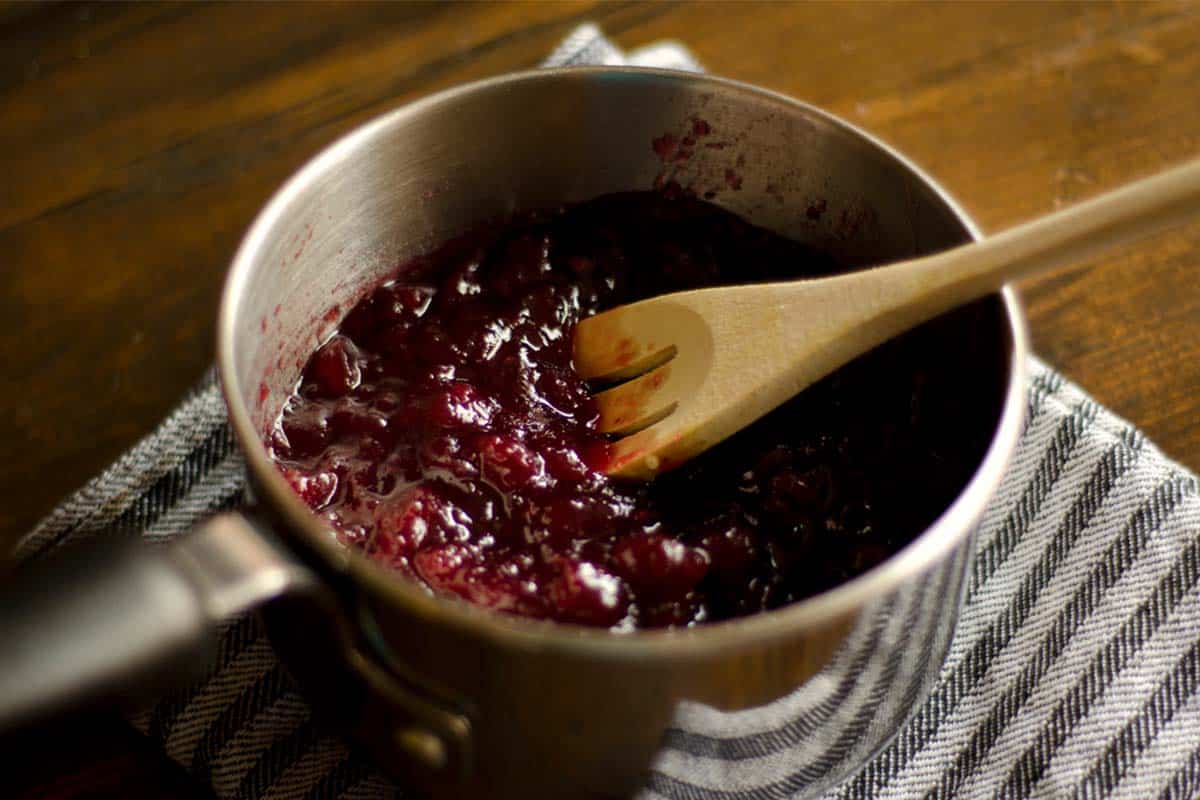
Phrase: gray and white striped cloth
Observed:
(1074, 670)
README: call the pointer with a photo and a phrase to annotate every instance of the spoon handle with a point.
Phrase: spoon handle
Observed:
(966, 273)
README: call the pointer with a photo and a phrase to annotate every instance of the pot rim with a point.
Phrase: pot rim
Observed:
(935, 542)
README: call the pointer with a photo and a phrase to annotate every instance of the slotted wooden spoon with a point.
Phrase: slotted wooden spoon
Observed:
(699, 366)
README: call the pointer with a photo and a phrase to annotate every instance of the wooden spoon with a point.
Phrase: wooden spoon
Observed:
(699, 366)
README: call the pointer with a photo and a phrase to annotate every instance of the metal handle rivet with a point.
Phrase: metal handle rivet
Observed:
(421, 744)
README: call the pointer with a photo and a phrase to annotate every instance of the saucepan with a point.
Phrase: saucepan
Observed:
(451, 698)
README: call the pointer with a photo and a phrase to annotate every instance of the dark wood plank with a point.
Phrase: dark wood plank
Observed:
(137, 141)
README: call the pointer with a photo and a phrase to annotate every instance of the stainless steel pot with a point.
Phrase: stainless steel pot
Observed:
(445, 695)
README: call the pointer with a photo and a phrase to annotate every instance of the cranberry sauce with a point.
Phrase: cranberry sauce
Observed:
(444, 432)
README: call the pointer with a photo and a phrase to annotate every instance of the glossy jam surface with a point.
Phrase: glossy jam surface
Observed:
(444, 432)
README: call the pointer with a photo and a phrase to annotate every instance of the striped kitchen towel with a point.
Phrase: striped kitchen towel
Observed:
(1074, 670)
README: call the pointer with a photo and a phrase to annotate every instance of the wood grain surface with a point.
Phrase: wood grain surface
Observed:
(137, 142)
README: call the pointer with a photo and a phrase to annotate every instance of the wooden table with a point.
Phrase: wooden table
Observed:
(139, 140)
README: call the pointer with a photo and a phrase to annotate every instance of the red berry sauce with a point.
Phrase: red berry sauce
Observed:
(444, 432)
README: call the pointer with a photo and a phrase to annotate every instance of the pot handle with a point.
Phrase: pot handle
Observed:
(122, 622)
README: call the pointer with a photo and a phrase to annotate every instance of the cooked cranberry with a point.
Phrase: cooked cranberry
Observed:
(581, 515)
(375, 476)
(409, 302)
(391, 307)
(659, 565)
(790, 488)
(565, 464)
(508, 464)
(334, 370)
(732, 549)
(445, 452)
(418, 517)
(445, 432)
(522, 261)
(461, 405)
(461, 279)
(392, 342)
(566, 394)
(353, 420)
(434, 349)
(672, 613)
(584, 593)
(581, 265)
(304, 430)
(353, 535)
(456, 570)
(316, 489)
(386, 402)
